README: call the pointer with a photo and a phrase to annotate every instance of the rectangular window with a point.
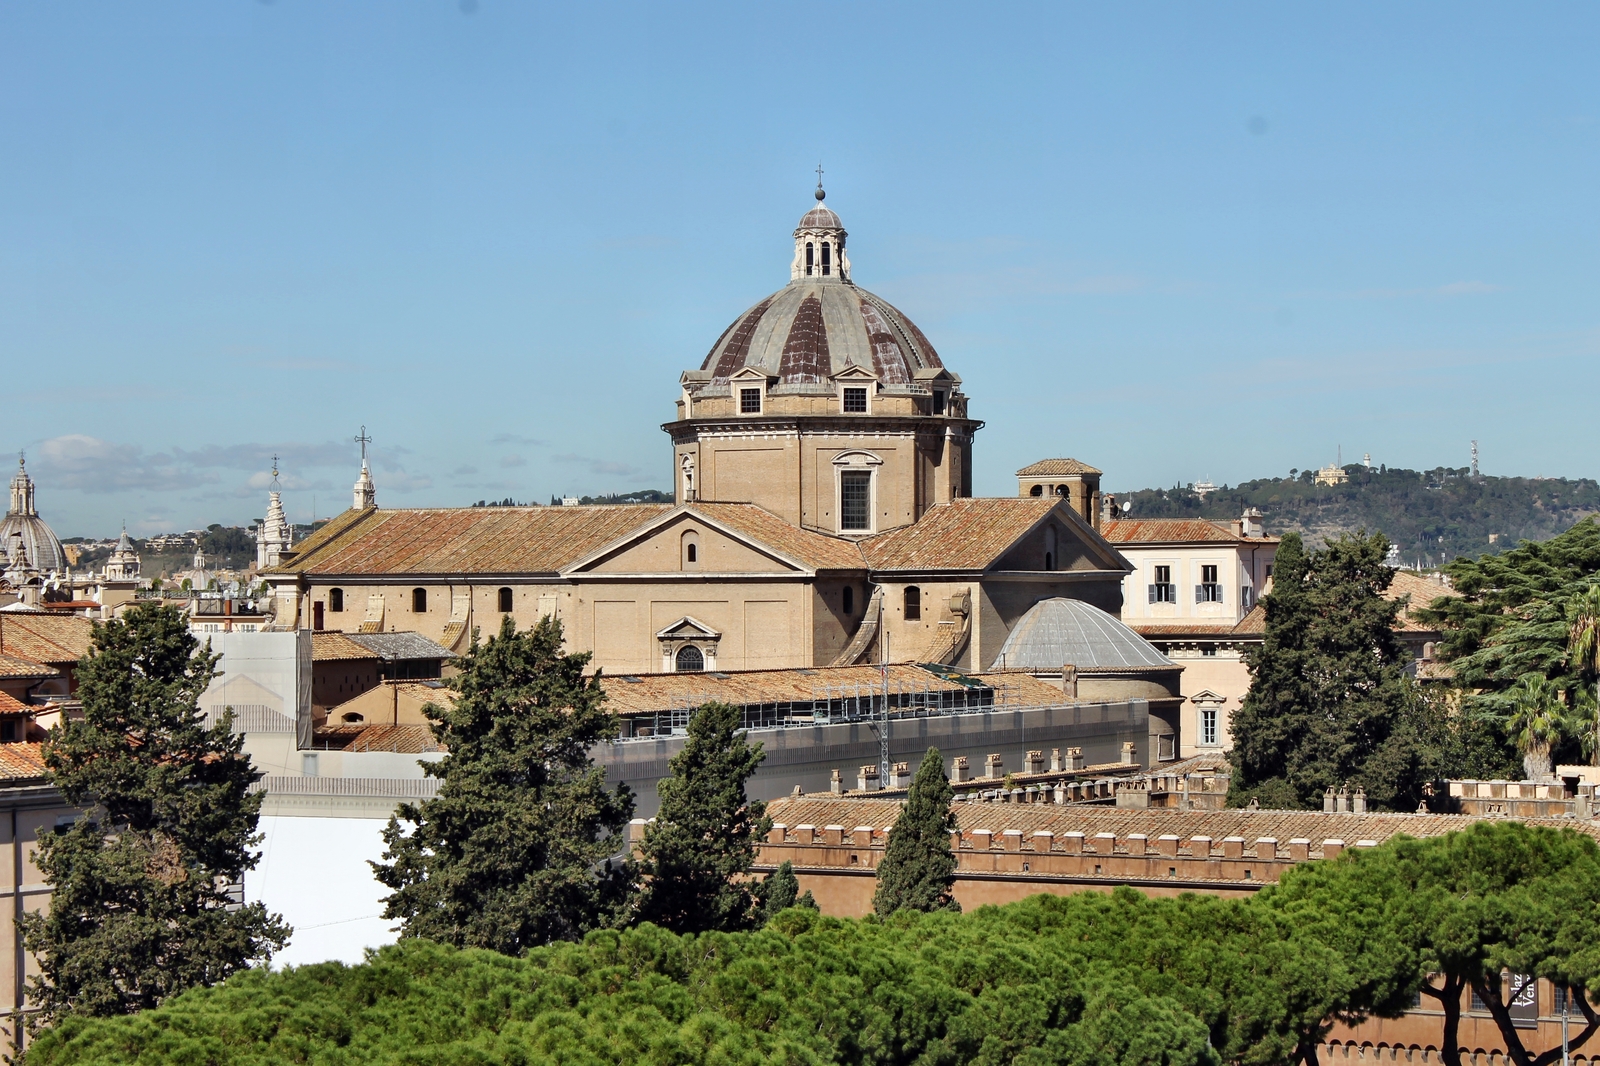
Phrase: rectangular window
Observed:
(1244, 597)
(855, 500)
(1208, 575)
(749, 401)
(1163, 590)
(1208, 727)
(855, 400)
(938, 401)
(1208, 650)
(1208, 591)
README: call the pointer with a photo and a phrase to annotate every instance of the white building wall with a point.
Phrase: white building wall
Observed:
(314, 872)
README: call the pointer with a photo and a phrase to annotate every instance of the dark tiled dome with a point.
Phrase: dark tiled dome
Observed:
(813, 328)
(820, 217)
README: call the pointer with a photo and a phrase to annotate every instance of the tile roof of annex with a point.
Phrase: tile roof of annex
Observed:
(816, 550)
(16, 666)
(1421, 592)
(468, 540)
(1131, 531)
(648, 693)
(1153, 822)
(333, 647)
(969, 533)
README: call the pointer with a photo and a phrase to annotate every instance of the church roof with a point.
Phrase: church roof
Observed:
(43, 547)
(1176, 531)
(969, 533)
(816, 550)
(55, 639)
(465, 540)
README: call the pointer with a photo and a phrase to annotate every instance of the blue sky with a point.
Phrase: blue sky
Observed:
(1176, 241)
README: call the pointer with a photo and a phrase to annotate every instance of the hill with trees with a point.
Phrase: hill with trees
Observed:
(1432, 516)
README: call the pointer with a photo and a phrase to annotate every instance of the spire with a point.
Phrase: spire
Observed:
(365, 494)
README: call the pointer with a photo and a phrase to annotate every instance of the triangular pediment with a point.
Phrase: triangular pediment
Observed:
(854, 372)
(658, 548)
(1076, 545)
(688, 628)
(748, 373)
(1206, 696)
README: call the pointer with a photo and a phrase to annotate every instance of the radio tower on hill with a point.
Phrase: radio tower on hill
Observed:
(1474, 459)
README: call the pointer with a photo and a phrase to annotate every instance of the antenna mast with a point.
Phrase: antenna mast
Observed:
(1474, 458)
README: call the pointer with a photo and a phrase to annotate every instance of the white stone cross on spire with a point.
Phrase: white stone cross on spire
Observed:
(365, 494)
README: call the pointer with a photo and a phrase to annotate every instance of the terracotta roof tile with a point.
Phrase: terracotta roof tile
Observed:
(17, 666)
(329, 647)
(468, 540)
(970, 533)
(10, 705)
(816, 550)
(46, 638)
(1057, 467)
(21, 763)
(407, 739)
(1176, 531)
(1419, 592)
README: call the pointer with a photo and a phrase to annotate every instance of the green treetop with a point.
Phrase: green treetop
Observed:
(140, 907)
(918, 871)
(698, 851)
(513, 851)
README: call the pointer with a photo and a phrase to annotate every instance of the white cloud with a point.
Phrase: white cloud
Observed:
(599, 467)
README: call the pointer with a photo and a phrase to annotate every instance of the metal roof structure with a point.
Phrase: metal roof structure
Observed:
(396, 646)
(1059, 631)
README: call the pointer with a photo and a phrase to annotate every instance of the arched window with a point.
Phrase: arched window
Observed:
(1037, 490)
(913, 603)
(690, 556)
(1050, 547)
(419, 601)
(810, 258)
(1063, 492)
(352, 718)
(336, 600)
(689, 660)
(505, 601)
(689, 552)
(849, 600)
(827, 262)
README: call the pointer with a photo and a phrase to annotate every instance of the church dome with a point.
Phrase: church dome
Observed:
(821, 322)
(39, 541)
(1060, 631)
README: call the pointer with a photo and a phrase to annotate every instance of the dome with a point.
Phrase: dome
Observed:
(821, 322)
(1061, 632)
(22, 520)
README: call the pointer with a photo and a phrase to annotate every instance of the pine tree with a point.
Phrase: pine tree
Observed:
(781, 891)
(1329, 704)
(697, 855)
(140, 906)
(513, 851)
(918, 871)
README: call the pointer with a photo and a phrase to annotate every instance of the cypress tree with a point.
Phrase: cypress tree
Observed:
(918, 870)
(697, 854)
(1329, 704)
(513, 851)
(140, 907)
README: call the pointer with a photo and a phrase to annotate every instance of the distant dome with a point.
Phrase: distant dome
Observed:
(821, 322)
(1061, 632)
(22, 518)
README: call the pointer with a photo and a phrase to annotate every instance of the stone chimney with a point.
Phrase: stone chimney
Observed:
(1250, 523)
(1033, 762)
(993, 767)
(900, 775)
(1074, 760)
(836, 784)
(959, 770)
(1069, 681)
(1327, 801)
(1358, 802)
(1129, 753)
(867, 779)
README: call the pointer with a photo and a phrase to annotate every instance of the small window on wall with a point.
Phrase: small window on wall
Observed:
(1208, 591)
(749, 401)
(690, 556)
(849, 600)
(938, 405)
(855, 400)
(1208, 727)
(419, 601)
(505, 601)
(913, 603)
(689, 660)
(336, 600)
(811, 257)
(1162, 590)
(827, 259)
(1050, 548)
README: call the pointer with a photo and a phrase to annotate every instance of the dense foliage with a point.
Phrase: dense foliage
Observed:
(1329, 704)
(512, 852)
(918, 871)
(1088, 979)
(697, 851)
(140, 906)
(1431, 515)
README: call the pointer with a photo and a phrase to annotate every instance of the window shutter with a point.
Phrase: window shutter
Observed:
(1199, 594)
(1152, 593)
